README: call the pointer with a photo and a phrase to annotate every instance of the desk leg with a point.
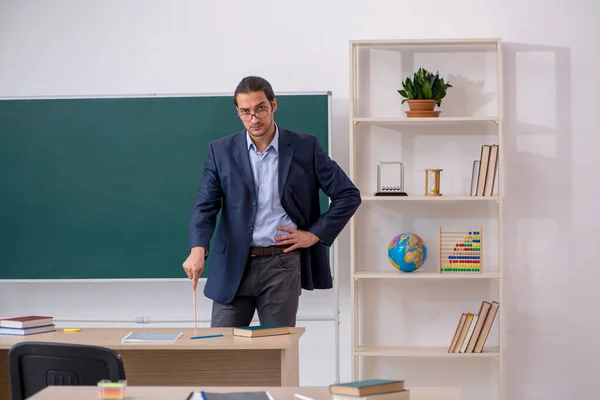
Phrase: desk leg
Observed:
(4, 377)
(290, 375)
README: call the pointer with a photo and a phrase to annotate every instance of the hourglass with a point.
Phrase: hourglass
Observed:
(432, 182)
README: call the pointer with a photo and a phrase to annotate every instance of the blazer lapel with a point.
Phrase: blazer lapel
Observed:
(243, 162)
(286, 154)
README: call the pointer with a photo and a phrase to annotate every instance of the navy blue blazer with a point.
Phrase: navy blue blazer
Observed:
(227, 185)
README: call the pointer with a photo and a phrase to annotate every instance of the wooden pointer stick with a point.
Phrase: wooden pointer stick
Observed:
(194, 291)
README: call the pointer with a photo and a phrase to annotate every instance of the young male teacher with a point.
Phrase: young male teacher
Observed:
(271, 239)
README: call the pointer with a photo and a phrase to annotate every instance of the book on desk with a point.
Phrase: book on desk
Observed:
(26, 325)
(150, 337)
(375, 389)
(261, 330)
(259, 395)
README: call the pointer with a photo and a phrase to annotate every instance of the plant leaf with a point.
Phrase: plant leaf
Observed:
(427, 90)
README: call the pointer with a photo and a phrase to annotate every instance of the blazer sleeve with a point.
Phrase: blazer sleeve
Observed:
(344, 195)
(207, 204)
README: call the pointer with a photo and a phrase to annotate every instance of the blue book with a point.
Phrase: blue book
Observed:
(33, 330)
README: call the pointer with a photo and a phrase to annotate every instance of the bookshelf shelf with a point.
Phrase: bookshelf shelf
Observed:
(418, 351)
(465, 142)
(430, 198)
(430, 46)
(438, 120)
(425, 275)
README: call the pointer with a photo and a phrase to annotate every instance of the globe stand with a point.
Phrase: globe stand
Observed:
(394, 190)
(461, 252)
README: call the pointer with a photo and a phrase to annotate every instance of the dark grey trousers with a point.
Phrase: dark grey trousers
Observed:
(271, 286)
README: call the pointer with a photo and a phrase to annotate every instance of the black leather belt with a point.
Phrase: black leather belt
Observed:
(267, 251)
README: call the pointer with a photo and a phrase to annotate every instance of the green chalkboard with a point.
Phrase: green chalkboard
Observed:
(102, 188)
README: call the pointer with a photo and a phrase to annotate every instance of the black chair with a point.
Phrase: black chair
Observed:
(35, 365)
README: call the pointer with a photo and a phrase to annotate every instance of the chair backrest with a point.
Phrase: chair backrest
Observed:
(35, 365)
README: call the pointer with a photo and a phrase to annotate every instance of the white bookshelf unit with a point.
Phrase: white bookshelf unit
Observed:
(383, 298)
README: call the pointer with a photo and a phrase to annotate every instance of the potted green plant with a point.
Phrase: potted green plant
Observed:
(423, 92)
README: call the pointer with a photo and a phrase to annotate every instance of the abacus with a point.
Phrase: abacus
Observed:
(460, 251)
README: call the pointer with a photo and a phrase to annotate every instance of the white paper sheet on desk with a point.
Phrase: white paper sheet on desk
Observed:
(231, 396)
(149, 337)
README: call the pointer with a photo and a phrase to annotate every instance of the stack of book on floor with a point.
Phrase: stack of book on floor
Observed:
(372, 389)
(28, 325)
(473, 329)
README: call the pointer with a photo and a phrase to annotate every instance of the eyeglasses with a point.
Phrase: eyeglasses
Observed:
(259, 113)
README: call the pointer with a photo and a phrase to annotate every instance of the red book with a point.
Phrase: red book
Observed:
(26, 322)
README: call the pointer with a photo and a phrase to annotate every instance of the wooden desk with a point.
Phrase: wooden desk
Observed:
(222, 361)
(180, 393)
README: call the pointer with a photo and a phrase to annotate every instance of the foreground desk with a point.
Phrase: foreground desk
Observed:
(221, 361)
(180, 393)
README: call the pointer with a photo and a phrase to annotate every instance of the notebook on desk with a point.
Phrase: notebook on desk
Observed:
(230, 396)
(149, 337)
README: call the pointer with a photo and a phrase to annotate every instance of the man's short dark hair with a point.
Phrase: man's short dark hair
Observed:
(254, 84)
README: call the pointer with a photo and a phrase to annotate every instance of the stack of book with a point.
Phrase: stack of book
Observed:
(473, 329)
(372, 389)
(28, 325)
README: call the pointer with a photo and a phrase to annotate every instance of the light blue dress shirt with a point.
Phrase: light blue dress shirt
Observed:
(269, 214)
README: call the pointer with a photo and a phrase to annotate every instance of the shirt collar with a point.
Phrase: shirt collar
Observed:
(274, 142)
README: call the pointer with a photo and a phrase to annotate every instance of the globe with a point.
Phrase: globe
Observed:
(407, 252)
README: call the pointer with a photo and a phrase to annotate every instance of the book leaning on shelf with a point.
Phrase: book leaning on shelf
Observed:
(483, 176)
(473, 330)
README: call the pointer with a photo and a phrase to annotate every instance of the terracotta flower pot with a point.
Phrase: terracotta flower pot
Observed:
(422, 108)
(421, 105)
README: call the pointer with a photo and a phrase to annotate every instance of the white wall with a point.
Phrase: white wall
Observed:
(551, 55)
